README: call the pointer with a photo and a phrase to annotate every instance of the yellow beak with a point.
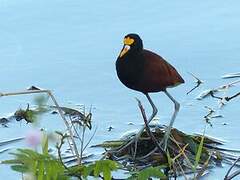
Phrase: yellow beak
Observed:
(124, 50)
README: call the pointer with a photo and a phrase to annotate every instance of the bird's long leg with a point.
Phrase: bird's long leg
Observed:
(154, 112)
(167, 133)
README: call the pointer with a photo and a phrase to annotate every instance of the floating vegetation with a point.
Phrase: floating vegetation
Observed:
(4, 121)
(28, 115)
(223, 88)
(183, 154)
(231, 75)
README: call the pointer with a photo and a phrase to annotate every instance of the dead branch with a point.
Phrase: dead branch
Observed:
(198, 81)
(211, 92)
(234, 96)
(147, 127)
(229, 177)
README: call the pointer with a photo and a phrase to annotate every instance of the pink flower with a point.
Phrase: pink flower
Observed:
(33, 138)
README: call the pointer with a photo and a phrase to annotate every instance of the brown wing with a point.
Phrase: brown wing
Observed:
(158, 74)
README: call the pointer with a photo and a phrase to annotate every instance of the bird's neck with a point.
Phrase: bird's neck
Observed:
(133, 60)
(134, 54)
(130, 69)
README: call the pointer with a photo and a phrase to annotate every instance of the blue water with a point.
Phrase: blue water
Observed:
(71, 46)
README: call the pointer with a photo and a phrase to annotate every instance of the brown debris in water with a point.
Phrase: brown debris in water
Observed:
(182, 149)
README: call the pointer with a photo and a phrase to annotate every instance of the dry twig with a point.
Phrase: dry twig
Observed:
(198, 81)
(229, 177)
(147, 127)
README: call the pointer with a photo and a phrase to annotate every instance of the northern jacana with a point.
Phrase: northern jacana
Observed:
(145, 71)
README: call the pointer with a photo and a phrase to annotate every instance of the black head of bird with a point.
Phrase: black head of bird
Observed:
(132, 44)
(145, 71)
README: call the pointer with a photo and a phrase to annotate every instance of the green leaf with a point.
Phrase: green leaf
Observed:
(110, 144)
(23, 159)
(88, 170)
(30, 116)
(12, 161)
(151, 172)
(105, 167)
(133, 177)
(199, 152)
(49, 171)
(45, 144)
(54, 174)
(43, 166)
(107, 173)
(170, 161)
(29, 153)
(20, 168)
(112, 164)
(97, 169)
(40, 173)
(76, 170)
(192, 145)
(35, 167)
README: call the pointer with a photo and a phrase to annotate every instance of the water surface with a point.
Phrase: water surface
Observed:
(71, 46)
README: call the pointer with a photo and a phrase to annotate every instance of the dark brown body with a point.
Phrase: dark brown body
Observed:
(146, 71)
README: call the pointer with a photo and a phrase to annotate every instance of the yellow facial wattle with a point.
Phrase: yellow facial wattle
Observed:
(128, 41)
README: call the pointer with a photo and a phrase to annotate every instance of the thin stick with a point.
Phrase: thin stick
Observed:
(228, 172)
(149, 154)
(229, 98)
(138, 135)
(212, 94)
(82, 142)
(203, 169)
(183, 173)
(59, 146)
(236, 173)
(226, 86)
(90, 139)
(198, 83)
(58, 108)
(74, 128)
(147, 127)
(183, 153)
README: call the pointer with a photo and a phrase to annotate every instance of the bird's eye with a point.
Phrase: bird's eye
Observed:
(128, 41)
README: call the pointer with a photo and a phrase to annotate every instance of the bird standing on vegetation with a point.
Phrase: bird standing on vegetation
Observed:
(142, 70)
